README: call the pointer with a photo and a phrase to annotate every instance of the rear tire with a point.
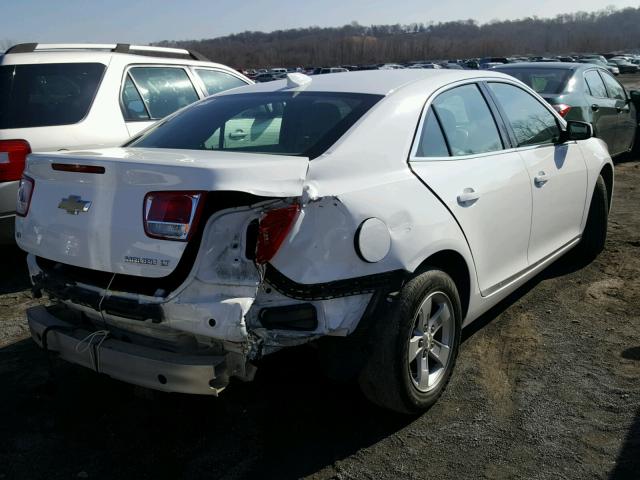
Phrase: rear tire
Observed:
(420, 329)
(595, 231)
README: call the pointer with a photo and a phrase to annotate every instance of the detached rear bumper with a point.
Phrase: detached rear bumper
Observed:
(135, 364)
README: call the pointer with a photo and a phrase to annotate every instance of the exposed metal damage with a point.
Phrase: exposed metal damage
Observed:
(222, 305)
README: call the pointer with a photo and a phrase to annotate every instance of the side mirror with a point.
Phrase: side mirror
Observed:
(634, 97)
(577, 131)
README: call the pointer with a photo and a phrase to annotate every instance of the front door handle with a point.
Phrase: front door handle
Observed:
(468, 197)
(239, 134)
(540, 179)
(595, 107)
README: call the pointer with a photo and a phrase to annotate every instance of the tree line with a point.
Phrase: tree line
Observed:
(354, 44)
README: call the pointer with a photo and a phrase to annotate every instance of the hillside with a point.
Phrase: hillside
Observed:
(600, 31)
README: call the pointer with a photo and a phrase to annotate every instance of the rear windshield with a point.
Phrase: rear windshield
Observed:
(281, 123)
(550, 81)
(47, 94)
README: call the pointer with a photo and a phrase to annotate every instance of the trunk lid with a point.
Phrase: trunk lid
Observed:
(109, 236)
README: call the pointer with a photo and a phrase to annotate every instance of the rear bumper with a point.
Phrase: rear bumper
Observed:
(135, 364)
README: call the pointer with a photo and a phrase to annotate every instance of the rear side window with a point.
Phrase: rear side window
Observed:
(132, 105)
(432, 142)
(281, 123)
(163, 89)
(467, 122)
(216, 81)
(45, 95)
(546, 81)
(614, 89)
(595, 84)
(531, 122)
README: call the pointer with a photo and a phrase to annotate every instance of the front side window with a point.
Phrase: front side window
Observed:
(163, 89)
(281, 123)
(467, 122)
(531, 122)
(432, 142)
(595, 84)
(216, 81)
(43, 95)
(615, 90)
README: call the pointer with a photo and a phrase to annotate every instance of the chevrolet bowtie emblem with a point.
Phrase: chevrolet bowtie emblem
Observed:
(74, 205)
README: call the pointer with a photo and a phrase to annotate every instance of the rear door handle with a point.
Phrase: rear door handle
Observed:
(541, 179)
(595, 107)
(468, 197)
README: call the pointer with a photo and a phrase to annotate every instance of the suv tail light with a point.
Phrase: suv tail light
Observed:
(25, 192)
(13, 155)
(273, 229)
(172, 215)
(562, 109)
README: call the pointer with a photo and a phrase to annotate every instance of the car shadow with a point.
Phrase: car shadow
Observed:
(290, 422)
(14, 276)
(628, 461)
(560, 155)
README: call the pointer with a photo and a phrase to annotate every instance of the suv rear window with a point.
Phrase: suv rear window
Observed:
(281, 123)
(44, 95)
(545, 81)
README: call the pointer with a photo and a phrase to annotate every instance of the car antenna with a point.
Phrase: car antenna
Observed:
(297, 80)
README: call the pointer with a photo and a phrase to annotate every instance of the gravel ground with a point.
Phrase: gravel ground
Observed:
(546, 387)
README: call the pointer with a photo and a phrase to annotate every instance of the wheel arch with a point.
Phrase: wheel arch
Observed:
(454, 265)
(607, 175)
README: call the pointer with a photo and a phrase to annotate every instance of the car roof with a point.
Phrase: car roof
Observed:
(548, 65)
(101, 53)
(376, 82)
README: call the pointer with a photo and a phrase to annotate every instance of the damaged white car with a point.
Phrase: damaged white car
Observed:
(373, 213)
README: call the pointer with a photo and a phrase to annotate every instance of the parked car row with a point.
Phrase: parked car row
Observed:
(55, 97)
(580, 88)
(245, 222)
(615, 63)
(585, 92)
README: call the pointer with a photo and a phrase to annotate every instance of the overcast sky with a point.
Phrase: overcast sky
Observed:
(144, 21)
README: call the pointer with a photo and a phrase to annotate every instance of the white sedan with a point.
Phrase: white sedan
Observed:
(376, 213)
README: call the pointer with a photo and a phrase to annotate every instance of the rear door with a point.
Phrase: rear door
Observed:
(557, 172)
(626, 118)
(150, 93)
(603, 109)
(460, 154)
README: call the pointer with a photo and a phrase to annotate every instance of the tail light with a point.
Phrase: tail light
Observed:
(172, 215)
(13, 155)
(562, 109)
(25, 192)
(273, 229)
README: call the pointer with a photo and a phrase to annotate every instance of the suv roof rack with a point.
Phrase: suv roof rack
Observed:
(148, 51)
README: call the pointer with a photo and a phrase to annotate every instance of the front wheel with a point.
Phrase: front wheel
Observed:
(414, 345)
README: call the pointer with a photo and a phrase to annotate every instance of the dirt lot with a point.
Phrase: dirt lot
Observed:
(546, 387)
